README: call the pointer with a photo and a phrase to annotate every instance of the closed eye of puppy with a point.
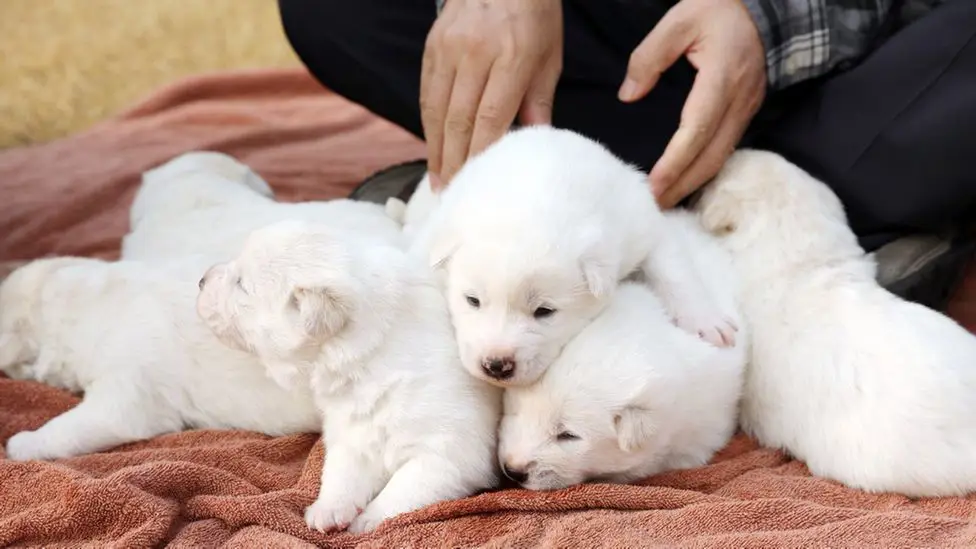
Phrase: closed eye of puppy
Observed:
(368, 328)
(532, 237)
(127, 336)
(631, 395)
(866, 388)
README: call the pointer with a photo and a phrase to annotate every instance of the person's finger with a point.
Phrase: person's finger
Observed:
(436, 83)
(704, 109)
(710, 161)
(536, 108)
(436, 184)
(499, 105)
(459, 123)
(664, 45)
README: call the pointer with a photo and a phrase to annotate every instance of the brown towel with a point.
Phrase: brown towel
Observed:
(239, 489)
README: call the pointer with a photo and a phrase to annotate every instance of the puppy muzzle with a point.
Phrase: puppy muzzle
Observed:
(499, 368)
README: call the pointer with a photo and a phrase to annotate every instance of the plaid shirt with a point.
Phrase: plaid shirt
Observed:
(809, 38)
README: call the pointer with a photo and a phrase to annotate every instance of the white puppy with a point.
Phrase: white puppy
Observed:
(196, 180)
(867, 389)
(631, 395)
(128, 336)
(535, 233)
(207, 203)
(404, 426)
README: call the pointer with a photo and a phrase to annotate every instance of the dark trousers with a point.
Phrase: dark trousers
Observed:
(894, 136)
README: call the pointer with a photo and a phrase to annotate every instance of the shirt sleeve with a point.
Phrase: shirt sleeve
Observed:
(808, 38)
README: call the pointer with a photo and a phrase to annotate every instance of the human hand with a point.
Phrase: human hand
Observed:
(486, 62)
(719, 39)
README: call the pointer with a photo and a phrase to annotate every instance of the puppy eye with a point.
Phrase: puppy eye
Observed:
(473, 301)
(566, 435)
(240, 285)
(543, 312)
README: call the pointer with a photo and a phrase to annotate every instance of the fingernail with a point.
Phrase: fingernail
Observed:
(655, 188)
(435, 181)
(628, 91)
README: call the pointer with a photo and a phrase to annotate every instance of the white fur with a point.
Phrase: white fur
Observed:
(632, 394)
(414, 213)
(196, 180)
(203, 203)
(127, 335)
(866, 388)
(419, 208)
(395, 209)
(547, 220)
(404, 425)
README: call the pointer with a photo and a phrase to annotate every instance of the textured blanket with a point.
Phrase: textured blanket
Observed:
(209, 488)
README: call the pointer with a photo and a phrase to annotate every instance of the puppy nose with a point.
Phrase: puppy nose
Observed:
(499, 367)
(518, 476)
(206, 276)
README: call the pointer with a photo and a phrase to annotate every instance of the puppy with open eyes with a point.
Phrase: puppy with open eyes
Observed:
(866, 388)
(631, 395)
(532, 237)
(206, 203)
(127, 335)
(368, 328)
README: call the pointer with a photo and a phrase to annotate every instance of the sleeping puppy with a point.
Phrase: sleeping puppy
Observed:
(206, 203)
(127, 336)
(350, 315)
(631, 395)
(866, 388)
(533, 236)
(197, 180)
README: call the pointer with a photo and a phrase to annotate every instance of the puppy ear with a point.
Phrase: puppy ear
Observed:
(441, 250)
(634, 427)
(719, 213)
(600, 275)
(321, 312)
(598, 267)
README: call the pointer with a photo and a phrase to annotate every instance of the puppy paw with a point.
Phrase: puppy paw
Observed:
(364, 523)
(718, 330)
(330, 514)
(26, 446)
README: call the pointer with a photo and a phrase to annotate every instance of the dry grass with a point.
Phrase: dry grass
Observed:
(65, 64)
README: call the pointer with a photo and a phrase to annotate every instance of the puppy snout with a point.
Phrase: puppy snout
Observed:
(499, 367)
(207, 276)
(516, 474)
